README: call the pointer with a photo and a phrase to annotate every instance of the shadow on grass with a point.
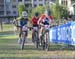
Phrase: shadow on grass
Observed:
(61, 47)
(8, 41)
(17, 47)
(13, 45)
(7, 33)
(21, 58)
(36, 58)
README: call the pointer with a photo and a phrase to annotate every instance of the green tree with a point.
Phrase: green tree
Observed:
(1, 24)
(39, 9)
(21, 8)
(59, 11)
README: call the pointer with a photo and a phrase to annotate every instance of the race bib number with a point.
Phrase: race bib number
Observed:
(47, 27)
(24, 28)
(35, 28)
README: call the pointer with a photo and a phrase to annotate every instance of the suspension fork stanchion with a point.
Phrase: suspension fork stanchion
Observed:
(21, 41)
(37, 37)
(37, 41)
(24, 37)
(47, 37)
(33, 36)
(44, 39)
(48, 40)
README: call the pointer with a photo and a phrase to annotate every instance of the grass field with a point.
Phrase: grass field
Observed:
(9, 48)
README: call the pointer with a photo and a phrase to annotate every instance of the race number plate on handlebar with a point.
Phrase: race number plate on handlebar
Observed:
(24, 28)
(46, 26)
(35, 28)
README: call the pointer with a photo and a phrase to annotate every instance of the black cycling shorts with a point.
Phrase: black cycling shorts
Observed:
(35, 25)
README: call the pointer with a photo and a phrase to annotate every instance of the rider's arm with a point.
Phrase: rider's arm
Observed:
(41, 18)
(39, 21)
(13, 21)
(32, 20)
(51, 19)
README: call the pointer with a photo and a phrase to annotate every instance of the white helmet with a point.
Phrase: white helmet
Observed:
(24, 13)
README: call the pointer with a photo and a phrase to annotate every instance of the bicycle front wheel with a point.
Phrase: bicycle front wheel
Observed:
(23, 40)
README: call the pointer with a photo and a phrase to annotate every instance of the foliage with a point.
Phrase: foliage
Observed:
(21, 8)
(38, 9)
(19, 17)
(59, 11)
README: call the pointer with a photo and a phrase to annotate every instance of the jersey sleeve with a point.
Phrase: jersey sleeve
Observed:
(51, 17)
(41, 18)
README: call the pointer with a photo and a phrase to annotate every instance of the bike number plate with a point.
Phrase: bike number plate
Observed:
(24, 28)
(46, 26)
(35, 28)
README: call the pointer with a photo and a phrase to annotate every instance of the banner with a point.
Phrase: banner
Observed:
(63, 34)
(53, 35)
(72, 30)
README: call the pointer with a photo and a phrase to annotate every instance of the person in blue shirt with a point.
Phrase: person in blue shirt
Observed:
(23, 22)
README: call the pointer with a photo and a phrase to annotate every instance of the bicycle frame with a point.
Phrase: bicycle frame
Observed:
(35, 30)
(23, 36)
(23, 39)
(45, 36)
(35, 36)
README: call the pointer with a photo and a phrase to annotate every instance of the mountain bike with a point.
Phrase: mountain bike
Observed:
(23, 37)
(35, 37)
(45, 37)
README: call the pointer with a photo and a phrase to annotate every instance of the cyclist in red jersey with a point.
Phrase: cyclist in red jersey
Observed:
(34, 22)
(35, 19)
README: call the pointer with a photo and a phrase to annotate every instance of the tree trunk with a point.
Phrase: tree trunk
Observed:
(1, 25)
